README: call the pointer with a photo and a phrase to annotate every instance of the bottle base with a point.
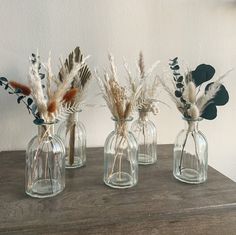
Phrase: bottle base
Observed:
(189, 176)
(120, 180)
(45, 188)
(77, 163)
(145, 159)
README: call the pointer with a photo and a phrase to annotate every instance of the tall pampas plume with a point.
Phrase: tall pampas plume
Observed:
(25, 90)
(191, 92)
(36, 86)
(141, 65)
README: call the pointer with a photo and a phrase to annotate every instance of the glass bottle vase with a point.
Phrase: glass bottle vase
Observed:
(73, 134)
(120, 157)
(146, 135)
(45, 164)
(191, 154)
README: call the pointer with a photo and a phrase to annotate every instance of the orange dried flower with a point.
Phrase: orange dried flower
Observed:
(52, 106)
(25, 90)
(70, 95)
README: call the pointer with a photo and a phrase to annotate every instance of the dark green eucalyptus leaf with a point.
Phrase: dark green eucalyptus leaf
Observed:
(176, 67)
(180, 79)
(176, 73)
(221, 97)
(29, 101)
(202, 73)
(210, 112)
(179, 85)
(6, 86)
(178, 93)
(34, 109)
(174, 60)
(20, 98)
(3, 79)
(38, 121)
(0, 83)
(42, 76)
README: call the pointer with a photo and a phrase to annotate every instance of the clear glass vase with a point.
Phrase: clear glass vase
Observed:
(73, 135)
(121, 157)
(191, 154)
(146, 135)
(45, 164)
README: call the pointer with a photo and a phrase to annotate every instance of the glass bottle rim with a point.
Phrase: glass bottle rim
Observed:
(192, 119)
(48, 123)
(128, 119)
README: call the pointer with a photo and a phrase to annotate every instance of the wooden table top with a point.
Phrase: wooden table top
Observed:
(159, 204)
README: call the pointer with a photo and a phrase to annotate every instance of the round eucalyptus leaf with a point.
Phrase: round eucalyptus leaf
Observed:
(202, 73)
(221, 97)
(178, 93)
(3, 79)
(38, 121)
(176, 67)
(210, 112)
(29, 101)
(180, 79)
(179, 85)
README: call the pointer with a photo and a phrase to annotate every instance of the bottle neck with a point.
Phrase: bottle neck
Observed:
(121, 127)
(45, 131)
(191, 125)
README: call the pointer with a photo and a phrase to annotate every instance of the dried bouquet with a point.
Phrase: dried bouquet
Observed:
(121, 101)
(49, 101)
(185, 90)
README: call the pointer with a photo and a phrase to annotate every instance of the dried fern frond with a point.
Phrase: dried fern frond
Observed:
(65, 110)
(82, 76)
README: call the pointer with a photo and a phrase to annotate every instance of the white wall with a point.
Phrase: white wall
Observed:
(195, 30)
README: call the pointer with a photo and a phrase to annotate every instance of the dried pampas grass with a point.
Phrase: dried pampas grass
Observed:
(121, 101)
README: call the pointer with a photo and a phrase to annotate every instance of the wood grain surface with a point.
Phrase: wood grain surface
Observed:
(159, 204)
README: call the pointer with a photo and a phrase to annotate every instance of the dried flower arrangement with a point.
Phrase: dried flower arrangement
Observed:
(77, 93)
(148, 99)
(121, 101)
(46, 102)
(193, 103)
(186, 93)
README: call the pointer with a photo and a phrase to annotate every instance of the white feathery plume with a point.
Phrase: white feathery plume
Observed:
(190, 92)
(36, 87)
(206, 98)
(193, 112)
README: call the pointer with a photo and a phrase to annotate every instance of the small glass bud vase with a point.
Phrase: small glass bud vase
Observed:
(191, 154)
(45, 164)
(146, 135)
(73, 135)
(121, 157)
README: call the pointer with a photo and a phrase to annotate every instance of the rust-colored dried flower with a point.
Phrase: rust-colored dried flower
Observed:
(52, 106)
(25, 90)
(70, 95)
